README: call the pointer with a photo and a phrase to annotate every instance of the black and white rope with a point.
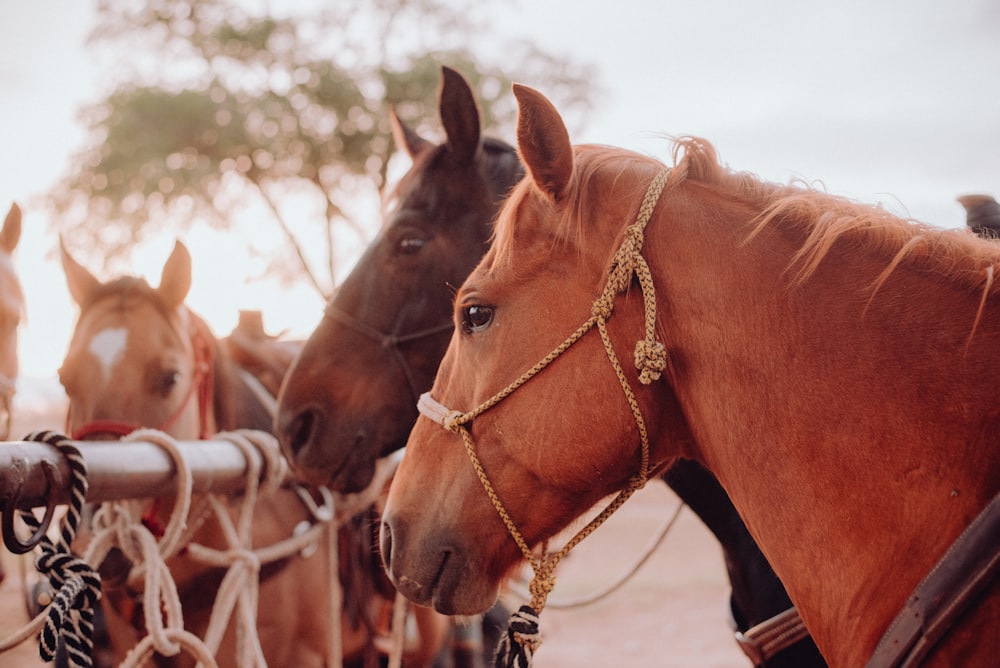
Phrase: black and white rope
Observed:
(518, 644)
(76, 585)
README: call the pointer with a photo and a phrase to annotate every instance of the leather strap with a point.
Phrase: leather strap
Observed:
(762, 642)
(968, 568)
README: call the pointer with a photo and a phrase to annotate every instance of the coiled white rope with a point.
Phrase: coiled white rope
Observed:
(119, 524)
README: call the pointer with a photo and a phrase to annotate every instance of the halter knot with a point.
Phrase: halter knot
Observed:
(650, 354)
(432, 409)
(623, 266)
(544, 580)
(650, 360)
(603, 306)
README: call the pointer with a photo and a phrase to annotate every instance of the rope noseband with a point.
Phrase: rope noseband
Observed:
(522, 638)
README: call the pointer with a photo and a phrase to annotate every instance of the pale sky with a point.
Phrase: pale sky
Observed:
(894, 102)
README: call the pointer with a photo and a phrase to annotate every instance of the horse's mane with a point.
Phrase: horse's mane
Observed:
(818, 218)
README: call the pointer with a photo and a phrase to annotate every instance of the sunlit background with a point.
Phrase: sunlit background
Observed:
(894, 102)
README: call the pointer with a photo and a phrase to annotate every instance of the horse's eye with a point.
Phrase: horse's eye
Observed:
(166, 381)
(477, 317)
(410, 244)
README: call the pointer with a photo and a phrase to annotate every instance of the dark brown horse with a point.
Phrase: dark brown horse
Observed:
(351, 394)
(834, 366)
(140, 358)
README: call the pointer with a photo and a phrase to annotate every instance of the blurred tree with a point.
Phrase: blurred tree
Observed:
(237, 109)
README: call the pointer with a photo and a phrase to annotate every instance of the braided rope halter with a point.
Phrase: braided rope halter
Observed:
(522, 638)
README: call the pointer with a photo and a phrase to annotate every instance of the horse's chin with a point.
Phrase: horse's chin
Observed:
(454, 593)
(351, 475)
(353, 478)
(467, 600)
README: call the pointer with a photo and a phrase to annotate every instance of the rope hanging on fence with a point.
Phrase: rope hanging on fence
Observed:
(239, 588)
(237, 594)
(76, 586)
(121, 524)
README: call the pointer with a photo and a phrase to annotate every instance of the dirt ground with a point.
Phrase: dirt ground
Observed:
(673, 613)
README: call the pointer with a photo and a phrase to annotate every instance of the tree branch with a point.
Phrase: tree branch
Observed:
(289, 235)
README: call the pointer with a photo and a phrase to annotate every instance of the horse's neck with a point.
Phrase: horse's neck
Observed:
(852, 435)
(235, 403)
(757, 595)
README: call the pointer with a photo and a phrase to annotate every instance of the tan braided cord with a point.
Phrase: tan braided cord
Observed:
(650, 360)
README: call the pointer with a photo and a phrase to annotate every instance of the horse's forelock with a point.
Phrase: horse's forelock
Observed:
(126, 289)
(499, 165)
(398, 190)
(502, 241)
(569, 223)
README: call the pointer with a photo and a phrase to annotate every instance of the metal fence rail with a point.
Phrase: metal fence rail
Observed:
(116, 471)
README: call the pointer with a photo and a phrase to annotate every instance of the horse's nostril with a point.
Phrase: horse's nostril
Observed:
(301, 431)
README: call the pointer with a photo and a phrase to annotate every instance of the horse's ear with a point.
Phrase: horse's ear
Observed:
(176, 278)
(459, 115)
(11, 232)
(405, 137)
(543, 142)
(81, 282)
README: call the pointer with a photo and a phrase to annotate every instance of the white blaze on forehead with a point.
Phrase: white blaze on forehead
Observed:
(108, 346)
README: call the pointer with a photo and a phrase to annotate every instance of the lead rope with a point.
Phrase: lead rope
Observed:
(118, 524)
(522, 639)
(322, 515)
(76, 585)
(616, 584)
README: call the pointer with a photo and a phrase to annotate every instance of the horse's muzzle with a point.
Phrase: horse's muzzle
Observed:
(432, 571)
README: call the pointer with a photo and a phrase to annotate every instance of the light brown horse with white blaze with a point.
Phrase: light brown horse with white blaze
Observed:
(11, 311)
(140, 358)
(834, 366)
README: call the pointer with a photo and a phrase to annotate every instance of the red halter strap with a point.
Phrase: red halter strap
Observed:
(202, 382)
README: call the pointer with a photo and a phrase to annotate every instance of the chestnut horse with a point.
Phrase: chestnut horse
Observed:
(140, 357)
(832, 365)
(351, 395)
